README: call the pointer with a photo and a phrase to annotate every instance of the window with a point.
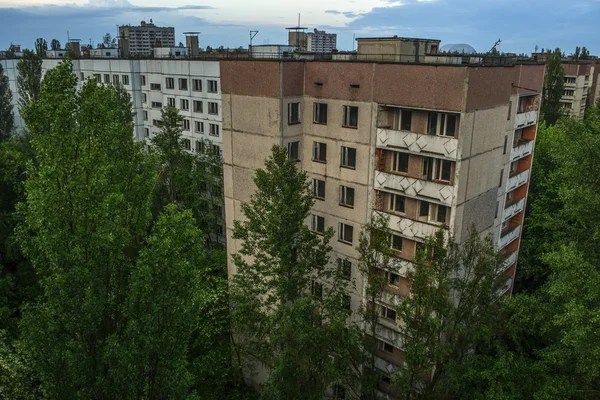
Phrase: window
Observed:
(143, 80)
(344, 268)
(406, 120)
(423, 210)
(441, 124)
(213, 130)
(293, 113)
(144, 98)
(432, 123)
(156, 122)
(145, 115)
(345, 232)
(197, 106)
(187, 144)
(319, 189)
(509, 110)
(568, 93)
(346, 196)
(106, 78)
(186, 124)
(442, 170)
(184, 104)
(82, 76)
(213, 108)
(385, 347)
(346, 302)
(156, 104)
(505, 142)
(450, 125)
(197, 85)
(320, 113)
(400, 162)
(392, 278)
(513, 167)
(509, 196)
(316, 289)
(350, 117)
(319, 152)
(387, 312)
(212, 86)
(155, 86)
(198, 127)
(317, 224)
(125, 79)
(348, 158)
(397, 203)
(439, 213)
(170, 83)
(146, 132)
(293, 148)
(199, 146)
(385, 379)
(98, 78)
(397, 242)
(182, 83)
(170, 101)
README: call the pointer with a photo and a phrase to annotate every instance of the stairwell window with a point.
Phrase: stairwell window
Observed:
(319, 189)
(317, 224)
(320, 113)
(155, 86)
(350, 117)
(348, 157)
(144, 98)
(400, 162)
(397, 203)
(293, 113)
(319, 152)
(345, 233)
(293, 150)
(346, 196)
(156, 104)
(143, 80)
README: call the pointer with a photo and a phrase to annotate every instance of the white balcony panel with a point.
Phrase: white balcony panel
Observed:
(510, 260)
(509, 237)
(388, 331)
(525, 119)
(410, 228)
(513, 210)
(517, 180)
(414, 187)
(417, 143)
(506, 287)
(383, 365)
(521, 151)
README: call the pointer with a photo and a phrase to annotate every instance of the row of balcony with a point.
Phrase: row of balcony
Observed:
(414, 187)
(513, 209)
(517, 180)
(524, 149)
(409, 228)
(416, 143)
(525, 119)
(509, 236)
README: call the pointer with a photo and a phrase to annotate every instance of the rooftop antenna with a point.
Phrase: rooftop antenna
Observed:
(353, 40)
(495, 45)
(252, 35)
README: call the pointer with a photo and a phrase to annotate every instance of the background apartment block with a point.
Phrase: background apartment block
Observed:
(141, 40)
(578, 83)
(316, 41)
(430, 146)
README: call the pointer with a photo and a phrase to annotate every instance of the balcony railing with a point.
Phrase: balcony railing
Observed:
(385, 365)
(517, 180)
(521, 151)
(525, 119)
(510, 260)
(509, 237)
(410, 228)
(513, 210)
(414, 187)
(506, 287)
(443, 145)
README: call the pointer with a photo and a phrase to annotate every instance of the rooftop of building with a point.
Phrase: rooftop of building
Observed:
(398, 38)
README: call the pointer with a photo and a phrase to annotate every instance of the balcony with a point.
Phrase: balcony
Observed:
(525, 119)
(513, 209)
(410, 228)
(440, 145)
(506, 287)
(517, 180)
(386, 366)
(510, 260)
(508, 237)
(522, 150)
(414, 187)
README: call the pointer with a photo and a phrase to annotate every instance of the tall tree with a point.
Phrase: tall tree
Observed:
(108, 41)
(553, 88)
(29, 80)
(6, 107)
(280, 261)
(455, 291)
(55, 44)
(40, 47)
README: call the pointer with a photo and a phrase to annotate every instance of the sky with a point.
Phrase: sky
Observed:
(521, 25)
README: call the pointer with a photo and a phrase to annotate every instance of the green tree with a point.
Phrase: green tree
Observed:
(553, 88)
(29, 80)
(55, 44)
(298, 337)
(108, 41)
(456, 291)
(40, 47)
(85, 219)
(6, 108)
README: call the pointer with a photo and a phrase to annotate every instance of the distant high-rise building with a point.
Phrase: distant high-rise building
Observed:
(141, 40)
(577, 87)
(317, 41)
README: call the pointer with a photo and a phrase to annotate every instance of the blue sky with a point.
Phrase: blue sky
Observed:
(520, 24)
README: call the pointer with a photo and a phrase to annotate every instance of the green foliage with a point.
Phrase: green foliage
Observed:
(40, 47)
(553, 88)
(302, 340)
(456, 291)
(6, 109)
(55, 44)
(29, 81)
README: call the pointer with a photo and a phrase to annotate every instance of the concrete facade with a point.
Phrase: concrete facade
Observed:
(578, 86)
(466, 136)
(397, 49)
(140, 40)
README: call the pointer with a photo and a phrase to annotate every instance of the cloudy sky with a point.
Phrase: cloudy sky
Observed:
(520, 24)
